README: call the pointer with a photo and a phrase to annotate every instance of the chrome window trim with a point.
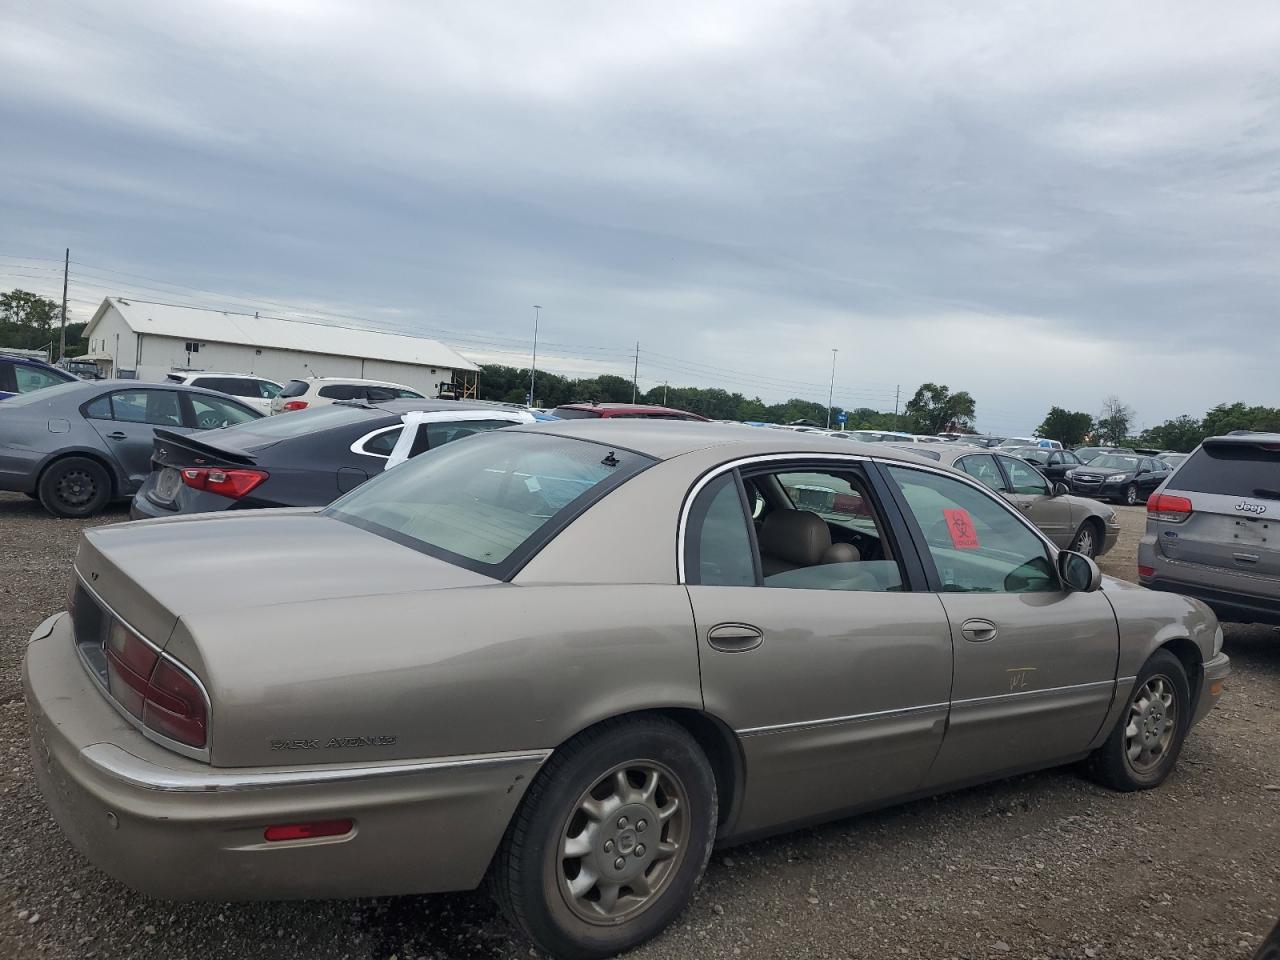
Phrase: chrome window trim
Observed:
(816, 455)
(196, 753)
(119, 764)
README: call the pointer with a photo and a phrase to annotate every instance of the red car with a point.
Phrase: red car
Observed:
(633, 411)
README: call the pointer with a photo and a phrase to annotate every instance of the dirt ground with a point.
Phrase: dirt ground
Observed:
(1046, 865)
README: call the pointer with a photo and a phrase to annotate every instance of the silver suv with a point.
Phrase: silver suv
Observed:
(1213, 528)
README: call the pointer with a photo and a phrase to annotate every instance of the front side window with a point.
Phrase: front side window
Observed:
(158, 407)
(1024, 478)
(211, 412)
(977, 544)
(488, 504)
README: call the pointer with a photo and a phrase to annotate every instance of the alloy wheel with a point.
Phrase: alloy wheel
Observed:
(1084, 542)
(623, 842)
(1131, 495)
(1153, 721)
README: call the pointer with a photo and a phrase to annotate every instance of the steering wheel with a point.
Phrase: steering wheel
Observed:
(209, 421)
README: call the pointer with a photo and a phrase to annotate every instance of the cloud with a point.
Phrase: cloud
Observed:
(1041, 203)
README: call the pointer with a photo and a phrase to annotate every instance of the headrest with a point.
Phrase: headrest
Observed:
(796, 536)
(841, 553)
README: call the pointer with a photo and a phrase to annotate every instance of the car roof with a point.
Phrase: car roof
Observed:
(410, 405)
(666, 439)
(353, 380)
(620, 407)
(30, 361)
(218, 373)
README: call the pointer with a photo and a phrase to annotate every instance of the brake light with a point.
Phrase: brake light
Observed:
(153, 689)
(233, 483)
(1162, 506)
(308, 831)
(294, 405)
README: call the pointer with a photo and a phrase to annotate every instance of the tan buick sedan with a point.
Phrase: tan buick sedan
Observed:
(574, 657)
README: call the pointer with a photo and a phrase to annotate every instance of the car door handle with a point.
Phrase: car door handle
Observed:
(978, 631)
(117, 436)
(1246, 557)
(735, 637)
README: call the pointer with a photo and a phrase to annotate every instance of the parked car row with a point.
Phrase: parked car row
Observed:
(571, 658)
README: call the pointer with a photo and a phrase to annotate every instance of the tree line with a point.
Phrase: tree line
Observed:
(1113, 426)
(29, 321)
(933, 408)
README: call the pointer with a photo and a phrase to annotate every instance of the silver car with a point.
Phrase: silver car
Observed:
(1213, 528)
(77, 446)
(1071, 522)
(574, 657)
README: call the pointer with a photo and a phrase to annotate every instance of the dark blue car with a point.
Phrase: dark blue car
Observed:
(25, 375)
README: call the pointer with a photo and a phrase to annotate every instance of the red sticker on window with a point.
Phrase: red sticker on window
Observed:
(960, 526)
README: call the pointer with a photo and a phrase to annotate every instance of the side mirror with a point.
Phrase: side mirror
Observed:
(1078, 572)
(1060, 489)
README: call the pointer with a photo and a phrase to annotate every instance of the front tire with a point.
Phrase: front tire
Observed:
(610, 839)
(1131, 495)
(74, 487)
(1087, 540)
(1143, 748)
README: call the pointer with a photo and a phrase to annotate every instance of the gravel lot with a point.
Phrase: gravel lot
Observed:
(1046, 865)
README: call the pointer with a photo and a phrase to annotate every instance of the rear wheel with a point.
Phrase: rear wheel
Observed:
(610, 839)
(74, 487)
(1143, 748)
(1087, 540)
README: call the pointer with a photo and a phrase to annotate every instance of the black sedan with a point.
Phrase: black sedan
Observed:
(306, 459)
(1122, 478)
(1054, 464)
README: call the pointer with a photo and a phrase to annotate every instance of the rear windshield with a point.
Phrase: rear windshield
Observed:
(294, 388)
(568, 413)
(1234, 470)
(488, 504)
(307, 421)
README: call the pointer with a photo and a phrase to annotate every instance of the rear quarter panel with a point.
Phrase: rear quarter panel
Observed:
(437, 673)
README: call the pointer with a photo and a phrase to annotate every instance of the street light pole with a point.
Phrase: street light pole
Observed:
(533, 367)
(832, 390)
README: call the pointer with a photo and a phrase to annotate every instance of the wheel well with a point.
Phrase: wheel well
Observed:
(720, 745)
(87, 455)
(1189, 655)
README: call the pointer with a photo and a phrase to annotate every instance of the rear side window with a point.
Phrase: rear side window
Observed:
(294, 388)
(339, 391)
(1233, 470)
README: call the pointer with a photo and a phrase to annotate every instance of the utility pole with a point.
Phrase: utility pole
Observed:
(635, 374)
(62, 337)
(896, 392)
(831, 392)
(533, 367)
(664, 393)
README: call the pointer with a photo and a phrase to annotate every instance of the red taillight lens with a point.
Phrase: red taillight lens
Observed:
(175, 706)
(294, 405)
(232, 482)
(153, 689)
(1161, 506)
(307, 831)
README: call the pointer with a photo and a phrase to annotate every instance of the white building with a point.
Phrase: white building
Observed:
(137, 338)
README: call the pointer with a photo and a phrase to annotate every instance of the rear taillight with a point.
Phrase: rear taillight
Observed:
(1162, 506)
(294, 405)
(308, 831)
(233, 482)
(153, 689)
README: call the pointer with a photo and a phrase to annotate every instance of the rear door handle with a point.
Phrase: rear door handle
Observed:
(735, 637)
(978, 630)
(1246, 557)
(117, 436)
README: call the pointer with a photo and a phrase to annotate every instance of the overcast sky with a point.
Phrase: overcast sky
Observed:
(1041, 203)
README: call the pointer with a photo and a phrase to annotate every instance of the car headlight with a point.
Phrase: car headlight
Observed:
(1117, 478)
(1217, 642)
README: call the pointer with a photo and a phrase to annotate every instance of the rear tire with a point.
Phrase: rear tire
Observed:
(74, 487)
(1144, 745)
(1088, 540)
(635, 791)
